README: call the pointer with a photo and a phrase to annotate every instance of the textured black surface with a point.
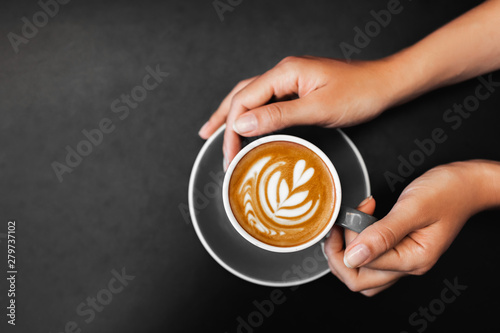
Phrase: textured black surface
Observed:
(123, 205)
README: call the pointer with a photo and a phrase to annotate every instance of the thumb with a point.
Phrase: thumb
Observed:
(367, 206)
(275, 116)
(382, 236)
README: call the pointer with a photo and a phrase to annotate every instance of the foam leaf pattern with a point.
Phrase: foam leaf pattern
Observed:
(265, 190)
(294, 212)
(286, 203)
(284, 191)
(272, 190)
(294, 200)
(299, 176)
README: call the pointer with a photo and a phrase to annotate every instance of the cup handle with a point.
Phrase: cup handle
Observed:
(353, 219)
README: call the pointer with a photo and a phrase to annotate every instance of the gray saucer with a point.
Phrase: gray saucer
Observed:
(236, 254)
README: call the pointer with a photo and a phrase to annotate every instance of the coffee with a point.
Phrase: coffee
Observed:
(282, 194)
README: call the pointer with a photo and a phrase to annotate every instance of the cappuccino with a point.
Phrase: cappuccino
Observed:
(282, 194)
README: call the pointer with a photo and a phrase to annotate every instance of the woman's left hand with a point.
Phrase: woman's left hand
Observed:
(417, 231)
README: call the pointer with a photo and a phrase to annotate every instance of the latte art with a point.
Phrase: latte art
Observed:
(282, 193)
(279, 204)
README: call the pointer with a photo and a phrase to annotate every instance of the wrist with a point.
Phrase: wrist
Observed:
(409, 75)
(390, 82)
(483, 181)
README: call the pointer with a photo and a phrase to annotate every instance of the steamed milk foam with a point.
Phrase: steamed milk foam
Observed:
(282, 193)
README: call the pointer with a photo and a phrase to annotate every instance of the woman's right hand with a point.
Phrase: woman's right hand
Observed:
(306, 91)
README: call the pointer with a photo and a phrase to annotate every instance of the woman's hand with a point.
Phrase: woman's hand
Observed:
(335, 93)
(305, 90)
(417, 231)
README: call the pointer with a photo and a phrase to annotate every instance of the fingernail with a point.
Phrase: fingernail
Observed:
(245, 124)
(364, 202)
(202, 129)
(356, 256)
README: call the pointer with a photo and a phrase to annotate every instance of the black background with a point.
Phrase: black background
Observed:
(122, 206)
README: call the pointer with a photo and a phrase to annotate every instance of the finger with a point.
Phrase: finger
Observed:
(367, 206)
(412, 255)
(231, 146)
(334, 244)
(405, 249)
(373, 291)
(219, 116)
(357, 279)
(276, 116)
(382, 236)
(276, 82)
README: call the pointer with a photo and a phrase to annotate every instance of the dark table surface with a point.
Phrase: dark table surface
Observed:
(119, 211)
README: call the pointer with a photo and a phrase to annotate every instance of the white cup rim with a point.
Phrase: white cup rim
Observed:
(243, 232)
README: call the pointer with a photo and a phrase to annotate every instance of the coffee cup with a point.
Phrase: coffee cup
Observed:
(281, 193)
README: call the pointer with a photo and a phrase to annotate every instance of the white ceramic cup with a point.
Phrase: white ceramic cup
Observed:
(344, 216)
(239, 228)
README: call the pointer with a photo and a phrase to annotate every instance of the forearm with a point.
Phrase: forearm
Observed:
(466, 47)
